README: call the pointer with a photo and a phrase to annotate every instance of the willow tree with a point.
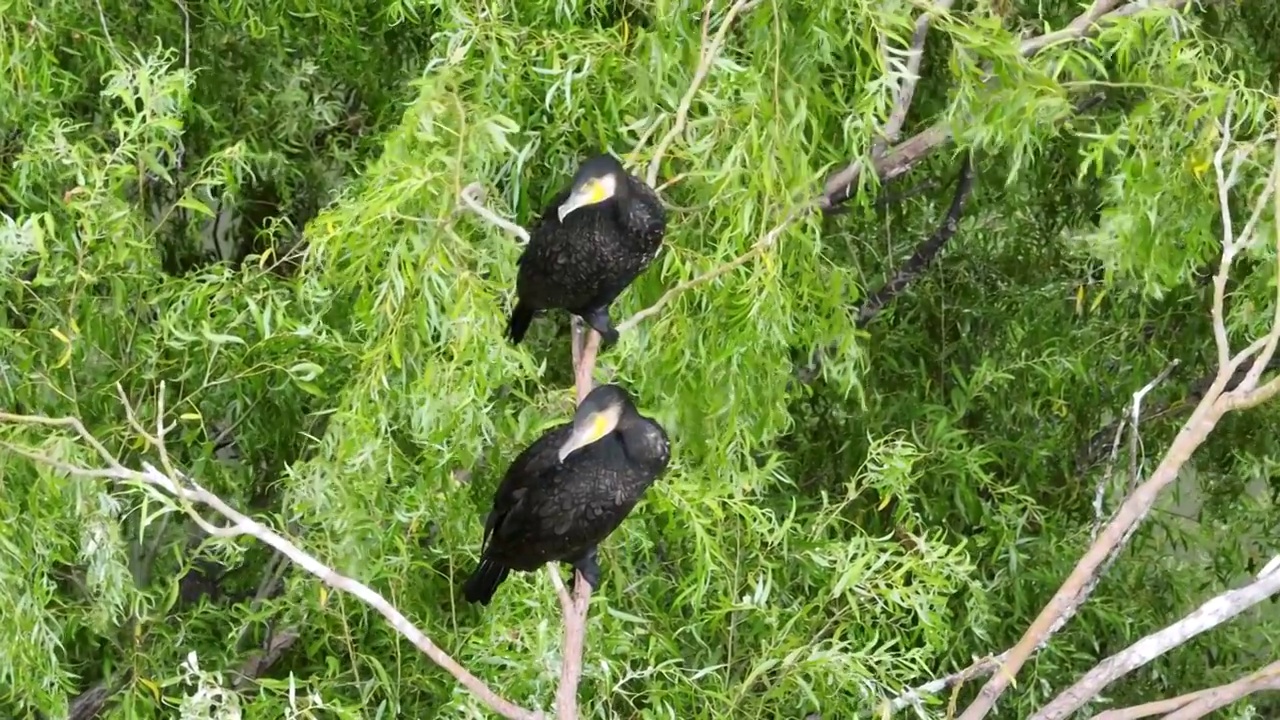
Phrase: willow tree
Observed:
(911, 335)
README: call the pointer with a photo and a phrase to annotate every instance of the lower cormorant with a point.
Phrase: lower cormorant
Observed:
(569, 490)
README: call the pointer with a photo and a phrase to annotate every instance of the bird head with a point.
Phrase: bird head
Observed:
(597, 416)
(599, 179)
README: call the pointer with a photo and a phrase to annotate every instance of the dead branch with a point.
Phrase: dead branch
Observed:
(911, 77)
(1135, 418)
(189, 493)
(926, 253)
(1211, 614)
(905, 155)
(1213, 406)
(1201, 702)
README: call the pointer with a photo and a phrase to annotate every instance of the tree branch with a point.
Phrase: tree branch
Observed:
(766, 241)
(1211, 614)
(915, 696)
(473, 197)
(911, 77)
(1211, 408)
(903, 156)
(586, 342)
(1201, 702)
(187, 490)
(926, 252)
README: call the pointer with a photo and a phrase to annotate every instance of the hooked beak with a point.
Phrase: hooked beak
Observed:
(589, 429)
(589, 193)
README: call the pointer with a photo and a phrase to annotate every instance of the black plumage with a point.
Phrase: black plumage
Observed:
(589, 244)
(569, 490)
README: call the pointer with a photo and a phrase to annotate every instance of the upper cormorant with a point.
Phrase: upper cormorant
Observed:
(596, 237)
(568, 490)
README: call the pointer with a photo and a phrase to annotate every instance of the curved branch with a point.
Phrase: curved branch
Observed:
(473, 197)
(186, 489)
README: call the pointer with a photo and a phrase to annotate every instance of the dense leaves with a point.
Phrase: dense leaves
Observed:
(257, 205)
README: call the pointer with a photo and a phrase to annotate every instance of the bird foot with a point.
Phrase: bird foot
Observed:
(589, 568)
(599, 321)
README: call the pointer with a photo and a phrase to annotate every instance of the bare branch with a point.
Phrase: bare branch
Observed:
(1268, 351)
(1229, 246)
(186, 489)
(1211, 614)
(1211, 408)
(911, 77)
(585, 346)
(473, 197)
(1201, 702)
(708, 51)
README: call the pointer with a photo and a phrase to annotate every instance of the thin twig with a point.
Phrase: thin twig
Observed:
(708, 51)
(765, 242)
(1209, 615)
(1100, 493)
(915, 696)
(1135, 418)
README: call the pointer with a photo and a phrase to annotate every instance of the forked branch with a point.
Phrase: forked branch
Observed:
(1215, 403)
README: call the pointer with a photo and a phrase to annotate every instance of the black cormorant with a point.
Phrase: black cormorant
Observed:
(568, 490)
(594, 239)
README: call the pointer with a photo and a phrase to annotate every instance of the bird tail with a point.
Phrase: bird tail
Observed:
(480, 587)
(521, 317)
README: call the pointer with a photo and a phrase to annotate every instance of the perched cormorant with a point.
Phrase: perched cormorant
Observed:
(568, 490)
(594, 239)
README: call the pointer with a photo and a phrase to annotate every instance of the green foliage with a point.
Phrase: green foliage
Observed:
(256, 205)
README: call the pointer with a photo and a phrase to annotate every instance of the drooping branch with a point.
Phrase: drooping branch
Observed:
(1211, 614)
(1212, 407)
(190, 493)
(708, 51)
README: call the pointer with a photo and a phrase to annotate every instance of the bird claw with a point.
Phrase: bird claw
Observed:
(599, 321)
(588, 567)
